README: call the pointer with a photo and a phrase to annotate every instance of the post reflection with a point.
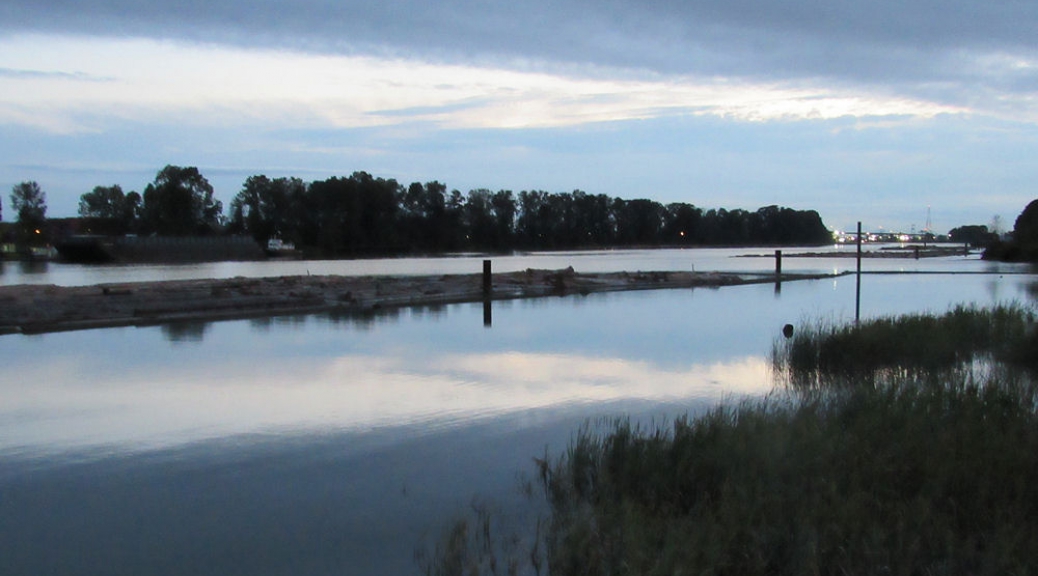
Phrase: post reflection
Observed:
(185, 332)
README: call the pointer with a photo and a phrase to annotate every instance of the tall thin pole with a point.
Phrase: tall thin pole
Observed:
(857, 295)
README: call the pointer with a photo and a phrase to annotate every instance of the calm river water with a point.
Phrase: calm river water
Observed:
(338, 445)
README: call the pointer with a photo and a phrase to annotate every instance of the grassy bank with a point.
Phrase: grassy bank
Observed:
(903, 446)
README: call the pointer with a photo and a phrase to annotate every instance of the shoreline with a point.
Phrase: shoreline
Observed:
(902, 252)
(37, 309)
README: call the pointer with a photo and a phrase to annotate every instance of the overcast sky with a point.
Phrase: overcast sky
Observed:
(881, 111)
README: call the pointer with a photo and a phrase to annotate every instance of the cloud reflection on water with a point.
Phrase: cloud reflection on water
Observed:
(72, 408)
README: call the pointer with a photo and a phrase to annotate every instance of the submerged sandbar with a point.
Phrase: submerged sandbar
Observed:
(33, 309)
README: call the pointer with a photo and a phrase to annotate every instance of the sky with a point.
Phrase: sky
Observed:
(896, 114)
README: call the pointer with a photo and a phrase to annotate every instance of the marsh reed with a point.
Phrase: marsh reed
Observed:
(905, 445)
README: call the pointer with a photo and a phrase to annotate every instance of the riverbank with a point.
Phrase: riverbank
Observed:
(32, 309)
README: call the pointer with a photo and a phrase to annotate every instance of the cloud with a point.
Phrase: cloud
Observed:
(810, 103)
(959, 53)
(210, 85)
(49, 75)
(919, 44)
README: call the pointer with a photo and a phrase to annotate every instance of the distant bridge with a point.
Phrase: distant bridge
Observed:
(885, 237)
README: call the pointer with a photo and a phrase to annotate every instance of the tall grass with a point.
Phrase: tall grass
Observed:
(921, 345)
(892, 480)
(929, 468)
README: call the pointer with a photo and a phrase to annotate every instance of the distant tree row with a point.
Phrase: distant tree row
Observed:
(179, 203)
(364, 215)
(361, 214)
(974, 235)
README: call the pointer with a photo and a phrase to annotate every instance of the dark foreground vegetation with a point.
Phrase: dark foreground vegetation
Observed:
(876, 454)
(1022, 245)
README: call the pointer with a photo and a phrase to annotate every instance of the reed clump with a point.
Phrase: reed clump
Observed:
(905, 464)
(924, 346)
(893, 480)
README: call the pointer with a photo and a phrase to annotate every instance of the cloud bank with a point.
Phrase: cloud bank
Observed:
(853, 108)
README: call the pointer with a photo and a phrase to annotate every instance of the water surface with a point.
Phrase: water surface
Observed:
(701, 259)
(337, 444)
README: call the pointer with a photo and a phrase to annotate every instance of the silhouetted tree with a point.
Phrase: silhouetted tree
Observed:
(777, 226)
(111, 210)
(531, 221)
(478, 219)
(682, 224)
(266, 209)
(975, 235)
(29, 202)
(1024, 243)
(503, 206)
(365, 215)
(1025, 230)
(355, 215)
(103, 202)
(180, 203)
(592, 220)
(132, 206)
(423, 217)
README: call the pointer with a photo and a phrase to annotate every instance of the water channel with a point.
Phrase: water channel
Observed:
(339, 444)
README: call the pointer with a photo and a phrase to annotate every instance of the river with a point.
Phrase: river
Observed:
(702, 259)
(339, 444)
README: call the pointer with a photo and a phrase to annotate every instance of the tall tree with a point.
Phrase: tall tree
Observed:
(503, 203)
(1024, 244)
(1025, 230)
(682, 225)
(478, 219)
(132, 206)
(180, 203)
(103, 202)
(29, 202)
(115, 212)
(264, 208)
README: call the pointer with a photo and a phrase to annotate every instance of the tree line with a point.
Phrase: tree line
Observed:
(362, 215)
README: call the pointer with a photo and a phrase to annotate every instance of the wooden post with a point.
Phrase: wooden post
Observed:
(857, 295)
(488, 288)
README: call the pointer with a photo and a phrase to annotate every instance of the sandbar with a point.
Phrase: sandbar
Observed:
(33, 309)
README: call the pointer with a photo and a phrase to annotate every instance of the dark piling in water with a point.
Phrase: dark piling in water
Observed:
(487, 279)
